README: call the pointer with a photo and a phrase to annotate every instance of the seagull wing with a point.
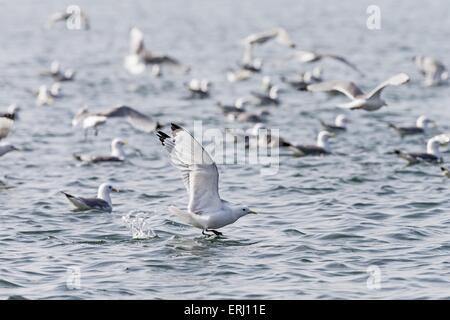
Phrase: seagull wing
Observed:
(348, 88)
(138, 120)
(200, 174)
(396, 80)
(136, 41)
(344, 61)
(260, 38)
(284, 38)
(58, 16)
(87, 203)
(6, 124)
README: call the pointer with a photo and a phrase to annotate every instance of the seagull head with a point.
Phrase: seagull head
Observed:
(342, 120)
(322, 139)
(424, 122)
(116, 147)
(241, 211)
(433, 147)
(104, 190)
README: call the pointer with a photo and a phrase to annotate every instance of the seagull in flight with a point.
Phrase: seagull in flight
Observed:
(135, 118)
(206, 210)
(279, 34)
(311, 56)
(371, 101)
(434, 71)
(139, 56)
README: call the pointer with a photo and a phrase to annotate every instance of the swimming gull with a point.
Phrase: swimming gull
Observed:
(433, 154)
(244, 116)
(303, 79)
(434, 71)
(117, 154)
(238, 106)
(261, 136)
(199, 88)
(267, 98)
(58, 74)
(421, 127)
(370, 102)
(238, 75)
(206, 210)
(340, 124)
(102, 202)
(45, 95)
(321, 148)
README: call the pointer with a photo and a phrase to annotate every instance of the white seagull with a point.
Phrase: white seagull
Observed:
(139, 56)
(322, 147)
(421, 127)
(279, 34)
(433, 154)
(117, 154)
(135, 118)
(433, 70)
(359, 100)
(310, 56)
(206, 210)
(102, 202)
(340, 124)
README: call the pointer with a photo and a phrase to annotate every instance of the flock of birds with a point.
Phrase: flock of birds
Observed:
(206, 210)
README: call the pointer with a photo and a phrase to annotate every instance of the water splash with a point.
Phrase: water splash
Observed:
(138, 222)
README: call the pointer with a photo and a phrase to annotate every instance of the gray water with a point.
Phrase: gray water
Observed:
(324, 222)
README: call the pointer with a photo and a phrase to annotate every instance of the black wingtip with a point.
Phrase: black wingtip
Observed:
(159, 126)
(174, 126)
(443, 169)
(397, 152)
(162, 136)
(67, 195)
(9, 116)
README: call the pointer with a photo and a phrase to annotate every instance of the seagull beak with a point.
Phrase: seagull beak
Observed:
(115, 190)
(16, 149)
(252, 212)
(125, 142)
